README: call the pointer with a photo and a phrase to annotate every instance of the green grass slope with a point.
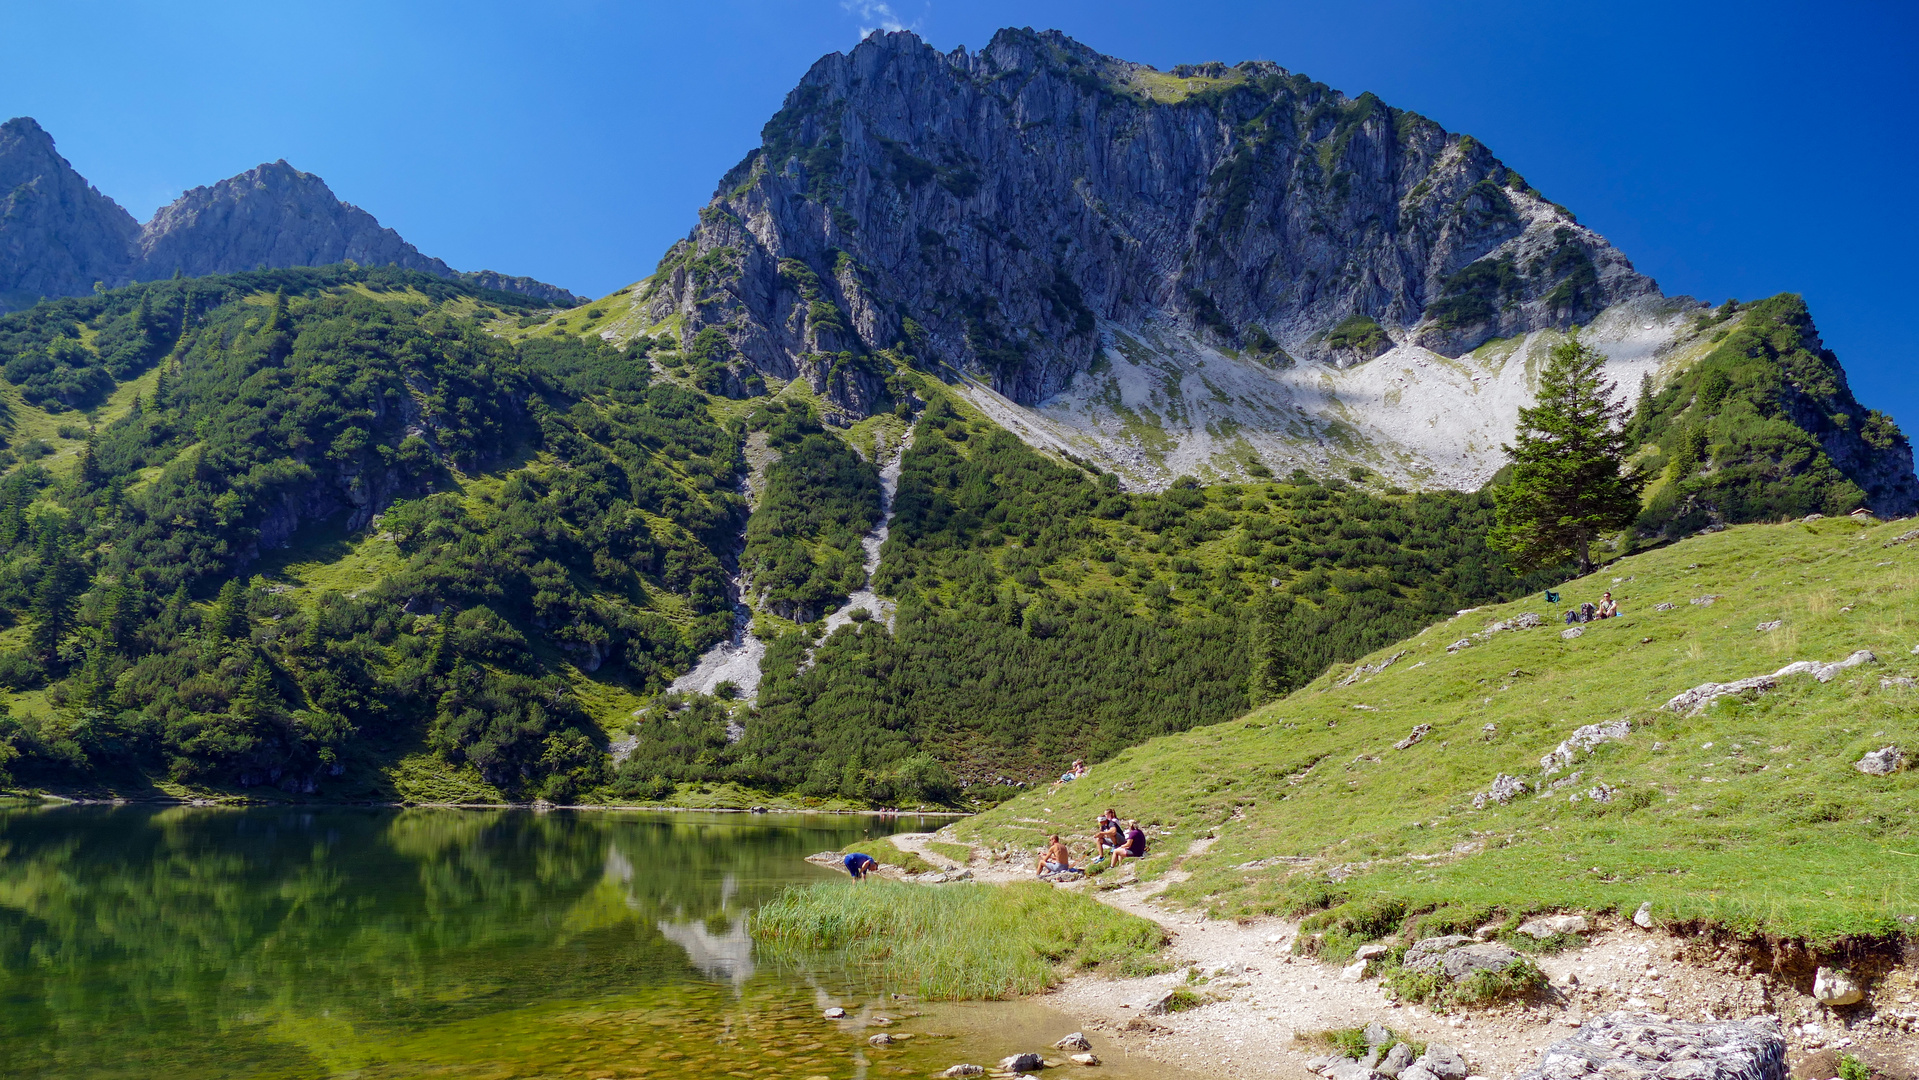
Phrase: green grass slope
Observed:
(1748, 814)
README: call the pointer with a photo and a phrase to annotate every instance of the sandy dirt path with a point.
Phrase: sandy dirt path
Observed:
(1270, 1006)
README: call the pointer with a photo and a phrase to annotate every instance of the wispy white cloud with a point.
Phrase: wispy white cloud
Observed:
(876, 15)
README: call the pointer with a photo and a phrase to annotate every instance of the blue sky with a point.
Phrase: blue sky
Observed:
(1730, 149)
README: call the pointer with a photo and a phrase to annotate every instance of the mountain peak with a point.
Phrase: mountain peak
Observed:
(996, 210)
(275, 215)
(59, 236)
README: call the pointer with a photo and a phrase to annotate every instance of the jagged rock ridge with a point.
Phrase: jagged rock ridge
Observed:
(994, 209)
(58, 235)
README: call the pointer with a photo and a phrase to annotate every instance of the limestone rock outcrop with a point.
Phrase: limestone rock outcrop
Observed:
(990, 209)
(1626, 1047)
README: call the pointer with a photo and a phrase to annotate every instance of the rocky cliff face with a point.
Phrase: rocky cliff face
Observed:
(995, 210)
(272, 215)
(58, 235)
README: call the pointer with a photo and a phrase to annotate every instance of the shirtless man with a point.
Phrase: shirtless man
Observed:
(1057, 859)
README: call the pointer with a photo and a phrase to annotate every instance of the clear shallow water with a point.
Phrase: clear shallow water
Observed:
(208, 943)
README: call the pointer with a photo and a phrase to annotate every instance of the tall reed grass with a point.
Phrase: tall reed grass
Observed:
(961, 941)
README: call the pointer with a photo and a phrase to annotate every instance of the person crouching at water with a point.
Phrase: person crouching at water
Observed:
(1057, 860)
(861, 865)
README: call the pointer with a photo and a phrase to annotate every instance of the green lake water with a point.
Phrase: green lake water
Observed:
(197, 942)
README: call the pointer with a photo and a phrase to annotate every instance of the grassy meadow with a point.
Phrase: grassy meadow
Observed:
(1747, 815)
(960, 941)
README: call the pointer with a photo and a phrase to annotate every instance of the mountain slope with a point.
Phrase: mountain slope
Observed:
(1380, 783)
(1219, 272)
(58, 236)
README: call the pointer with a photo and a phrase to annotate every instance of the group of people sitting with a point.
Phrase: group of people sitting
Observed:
(1115, 842)
(1587, 612)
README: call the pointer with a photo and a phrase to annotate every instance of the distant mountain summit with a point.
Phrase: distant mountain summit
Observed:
(1224, 272)
(58, 235)
(274, 215)
(1005, 202)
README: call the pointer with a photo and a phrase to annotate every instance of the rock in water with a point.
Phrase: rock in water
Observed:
(1075, 1041)
(1833, 987)
(1020, 1062)
(1882, 762)
(964, 1069)
(1625, 1047)
(1084, 1059)
(882, 1039)
(835, 1013)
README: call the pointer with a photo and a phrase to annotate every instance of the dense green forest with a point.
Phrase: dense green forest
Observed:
(317, 531)
(1044, 614)
(541, 531)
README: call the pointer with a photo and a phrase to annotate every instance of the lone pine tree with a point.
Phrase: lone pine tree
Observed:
(1570, 483)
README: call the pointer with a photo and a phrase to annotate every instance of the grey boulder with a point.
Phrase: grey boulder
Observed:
(1882, 762)
(1426, 952)
(1397, 1060)
(1439, 1061)
(1462, 962)
(1546, 926)
(1075, 1041)
(1832, 987)
(1621, 1046)
(1021, 1062)
(964, 1070)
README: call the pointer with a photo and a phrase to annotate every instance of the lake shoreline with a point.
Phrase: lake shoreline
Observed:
(1264, 1011)
(246, 802)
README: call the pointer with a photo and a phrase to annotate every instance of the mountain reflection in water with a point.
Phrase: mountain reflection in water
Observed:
(139, 940)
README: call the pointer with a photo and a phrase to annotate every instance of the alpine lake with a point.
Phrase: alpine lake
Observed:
(197, 942)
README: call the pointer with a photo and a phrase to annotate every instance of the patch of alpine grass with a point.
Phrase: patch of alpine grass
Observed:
(962, 941)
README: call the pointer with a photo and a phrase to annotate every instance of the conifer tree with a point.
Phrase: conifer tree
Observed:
(259, 699)
(230, 610)
(1570, 482)
(52, 607)
(90, 473)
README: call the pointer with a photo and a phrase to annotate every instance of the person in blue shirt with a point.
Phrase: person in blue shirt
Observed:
(860, 865)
